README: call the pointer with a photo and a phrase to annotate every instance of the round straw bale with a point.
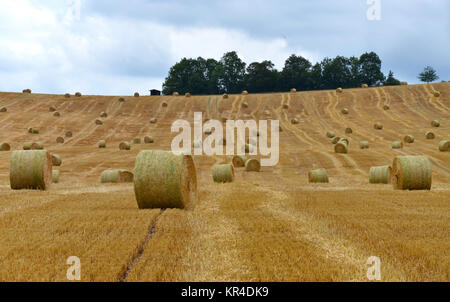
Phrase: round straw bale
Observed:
(348, 130)
(341, 146)
(56, 113)
(55, 176)
(252, 165)
(386, 107)
(60, 140)
(409, 139)
(318, 176)
(102, 144)
(52, 109)
(444, 146)
(239, 160)
(380, 175)
(293, 90)
(67, 95)
(3, 109)
(26, 91)
(30, 170)
(403, 83)
(331, 134)
(30, 130)
(103, 114)
(378, 126)
(397, 145)
(225, 96)
(245, 104)
(187, 94)
(164, 180)
(175, 94)
(149, 140)
(5, 147)
(295, 121)
(27, 146)
(37, 146)
(124, 146)
(285, 106)
(223, 173)
(429, 135)
(164, 104)
(116, 176)
(56, 160)
(121, 100)
(435, 123)
(78, 94)
(345, 111)
(364, 86)
(136, 94)
(68, 133)
(153, 120)
(335, 140)
(437, 94)
(98, 122)
(339, 90)
(245, 92)
(364, 144)
(411, 173)
(136, 141)
(35, 131)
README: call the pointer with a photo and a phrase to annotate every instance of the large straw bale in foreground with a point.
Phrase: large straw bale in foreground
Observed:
(116, 176)
(252, 165)
(163, 179)
(318, 176)
(55, 176)
(380, 175)
(411, 173)
(239, 160)
(444, 146)
(223, 173)
(30, 170)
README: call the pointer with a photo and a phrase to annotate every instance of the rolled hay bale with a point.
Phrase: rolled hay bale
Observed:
(5, 147)
(164, 104)
(341, 146)
(37, 146)
(55, 176)
(318, 176)
(285, 106)
(60, 140)
(348, 131)
(67, 95)
(187, 94)
(30, 170)
(116, 176)
(56, 114)
(386, 107)
(149, 140)
(244, 92)
(239, 161)
(164, 180)
(223, 173)
(378, 126)
(35, 131)
(136, 141)
(293, 90)
(225, 96)
(331, 134)
(345, 111)
(364, 144)
(52, 109)
(435, 123)
(124, 146)
(397, 145)
(78, 94)
(444, 146)
(403, 83)
(380, 175)
(136, 94)
(3, 109)
(27, 146)
(103, 114)
(30, 130)
(409, 139)
(153, 120)
(245, 104)
(98, 122)
(121, 100)
(429, 135)
(56, 160)
(364, 86)
(252, 165)
(437, 94)
(175, 94)
(68, 133)
(26, 91)
(339, 90)
(411, 173)
(295, 121)
(335, 140)
(102, 144)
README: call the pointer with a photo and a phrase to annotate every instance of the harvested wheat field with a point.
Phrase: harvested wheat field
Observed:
(272, 225)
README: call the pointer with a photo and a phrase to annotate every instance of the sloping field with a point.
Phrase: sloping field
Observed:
(267, 226)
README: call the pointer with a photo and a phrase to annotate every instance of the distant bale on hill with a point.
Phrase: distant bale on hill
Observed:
(364, 144)
(252, 165)
(435, 123)
(68, 133)
(30, 170)
(285, 106)
(37, 146)
(411, 173)
(5, 147)
(318, 176)
(225, 96)
(339, 90)
(27, 146)
(103, 114)
(244, 92)
(187, 94)
(386, 107)
(148, 140)
(175, 94)
(239, 161)
(26, 91)
(153, 120)
(78, 94)
(404, 83)
(124, 146)
(101, 144)
(380, 175)
(52, 109)
(295, 121)
(56, 114)
(364, 86)
(345, 111)
(35, 130)
(223, 173)
(429, 135)
(378, 126)
(397, 145)
(55, 176)
(3, 109)
(293, 90)
(67, 95)
(245, 104)
(437, 94)
(341, 146)
(348, 130)
(116, 176)
(60, 140)
(335, 140)
(121, 100)
(136, 94)
(444, 146)
(98, 122)
(331, 134)
(56, 160)
(164, 104)
(409, 139)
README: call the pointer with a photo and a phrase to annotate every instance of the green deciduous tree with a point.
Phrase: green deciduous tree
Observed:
(428, 75)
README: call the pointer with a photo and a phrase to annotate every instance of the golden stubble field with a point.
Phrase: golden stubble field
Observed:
(267, 226)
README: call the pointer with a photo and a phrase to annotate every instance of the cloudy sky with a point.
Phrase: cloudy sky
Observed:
(117, 47)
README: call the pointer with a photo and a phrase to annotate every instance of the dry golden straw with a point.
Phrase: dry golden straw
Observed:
(30, 170)
(318, 176)
(252, 165)
(286, 106)
(164, 180)
(223, 173)
(239, 161)
(380, 175)
(136, 141)
(116, 176)
(411, 173)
